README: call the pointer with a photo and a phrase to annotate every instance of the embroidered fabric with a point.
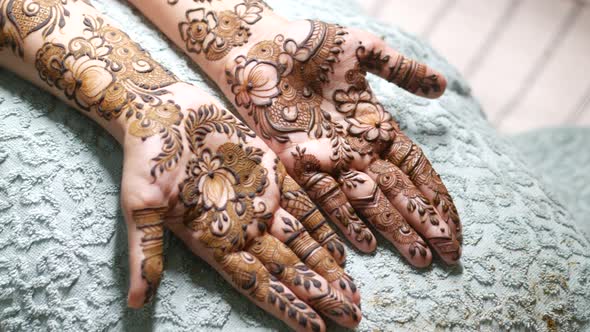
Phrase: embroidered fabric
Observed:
(63, 243)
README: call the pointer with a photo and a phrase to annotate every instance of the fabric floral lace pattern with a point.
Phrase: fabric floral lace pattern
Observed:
(63, 260)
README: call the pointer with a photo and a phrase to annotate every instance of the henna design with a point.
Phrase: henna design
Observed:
(105, 72)
(277, 258)
(277, 82)
(247, 273)
(394, 182)
(325, 191)
(295, 201)
(286, 266)
(334, 304)
(19, 18)
(295, 308)
(216, 33)
(377, 208)
(367, 119)
(219, 196)
(405, 72)
(410, 159)
(220, 186)
(151, 223)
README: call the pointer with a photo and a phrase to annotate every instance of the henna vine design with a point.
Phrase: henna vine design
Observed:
(215, 33)
(105, 72)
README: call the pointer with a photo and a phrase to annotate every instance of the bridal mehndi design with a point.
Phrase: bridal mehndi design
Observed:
(215, 33)
(223, 191)
(283, 84)
(223, 194)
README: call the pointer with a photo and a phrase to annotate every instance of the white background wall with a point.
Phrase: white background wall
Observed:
(528, 61)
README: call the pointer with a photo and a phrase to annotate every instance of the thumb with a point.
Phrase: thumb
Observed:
(145, 228)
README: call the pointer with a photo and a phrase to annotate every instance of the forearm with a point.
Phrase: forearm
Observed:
(71, 50)
(208, 31)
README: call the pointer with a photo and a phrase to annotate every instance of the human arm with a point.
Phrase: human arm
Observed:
(189, 166)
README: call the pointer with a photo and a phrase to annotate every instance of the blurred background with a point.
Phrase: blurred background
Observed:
(528, 61)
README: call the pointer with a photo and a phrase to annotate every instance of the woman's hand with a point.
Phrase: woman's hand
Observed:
(301, 86)
(190, 166)
(225, 194)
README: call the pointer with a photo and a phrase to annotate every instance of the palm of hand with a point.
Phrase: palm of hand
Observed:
(308, 97)
(230, 200)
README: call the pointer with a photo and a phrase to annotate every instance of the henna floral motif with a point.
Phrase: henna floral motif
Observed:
(288, 72)
(216, 33)
(105, 72)
(255, 84)
(221, 185)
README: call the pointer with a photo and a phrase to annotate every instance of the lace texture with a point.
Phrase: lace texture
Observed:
(63, 242)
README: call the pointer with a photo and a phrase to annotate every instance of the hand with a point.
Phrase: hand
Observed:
(226, 195)
(194, 168)
(303, 88)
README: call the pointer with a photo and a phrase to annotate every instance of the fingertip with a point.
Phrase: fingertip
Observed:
(356, 297)
(337, 249)
(437, 86)
(136, 298)
(354, 319)
(449, 251)
(366, 247)
(420, 260)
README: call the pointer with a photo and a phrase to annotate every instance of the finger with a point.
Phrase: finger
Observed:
(296, 202)
(326, 192)
(241, 269)
(251, 278)
(416, 209)
(376, 57)
(368, 200)
(146, 238)
(310, 287)
(292, 233)
(411, 160)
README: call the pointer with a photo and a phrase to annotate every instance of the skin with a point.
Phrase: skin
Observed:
(301, 86)
(190, 166)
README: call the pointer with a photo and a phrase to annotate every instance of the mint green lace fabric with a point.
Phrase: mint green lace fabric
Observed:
(63, 247)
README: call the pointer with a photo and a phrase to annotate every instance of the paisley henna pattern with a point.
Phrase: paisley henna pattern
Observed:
(151, 223)
(20, 18)
(279, 82)
(215, 33)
